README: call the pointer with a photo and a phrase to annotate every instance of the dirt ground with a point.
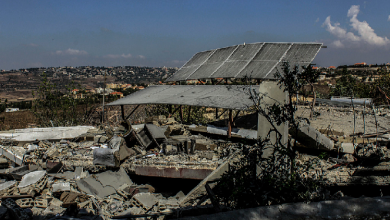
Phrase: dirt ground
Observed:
(16, 120)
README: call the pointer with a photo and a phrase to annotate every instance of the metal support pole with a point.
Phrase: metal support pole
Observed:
(230, 123)
(181, 113)
(132, 112)
(123, 112)
(104, 94)
(189, 114)
(216, 113)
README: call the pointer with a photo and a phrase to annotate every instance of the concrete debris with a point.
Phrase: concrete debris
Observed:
(145, 200)
(53, 133)
(93, 187)
(31, 178)
(61, 186)
(114, 179)
(88, 175)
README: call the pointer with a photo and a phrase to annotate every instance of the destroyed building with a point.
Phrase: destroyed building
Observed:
(86, 172)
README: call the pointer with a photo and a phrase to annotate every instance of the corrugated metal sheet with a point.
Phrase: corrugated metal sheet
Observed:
(257, 61)
(217, 96)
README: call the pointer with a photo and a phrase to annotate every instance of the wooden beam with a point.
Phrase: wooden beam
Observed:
(230, 123)
(216, 113)
(132, 112)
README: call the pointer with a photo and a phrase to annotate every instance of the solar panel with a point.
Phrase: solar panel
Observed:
(257, 61)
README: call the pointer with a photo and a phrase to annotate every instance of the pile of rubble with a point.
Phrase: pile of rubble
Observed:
(87, 176)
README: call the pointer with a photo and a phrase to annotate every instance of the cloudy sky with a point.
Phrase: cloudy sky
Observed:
(169, 32)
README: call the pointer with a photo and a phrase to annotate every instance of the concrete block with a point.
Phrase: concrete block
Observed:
(25, 203)
(347, 148)
(105, 156)
(204, 144)
(103, 139)
(61, 186)
(40, 202)
(97, 138)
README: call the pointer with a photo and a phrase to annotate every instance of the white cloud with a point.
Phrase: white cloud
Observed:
(365, 34)
(363, 28)
(337, 44)
(388, 18)
(116, 56)
(71, 52)
(338, 31)
(317, 20)
(125, 56)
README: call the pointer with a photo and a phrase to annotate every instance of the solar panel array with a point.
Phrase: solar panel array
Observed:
(256, 61)
(216, 96)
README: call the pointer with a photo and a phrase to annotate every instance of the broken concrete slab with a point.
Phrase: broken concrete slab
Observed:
(312, 138)
(52, 133)
(114, 179)
(8, 187)
(12, 154)
(200, 188)
(31, 178)
(236, 132)
(91, 186)
(173, 172)
(155, 131)
(146, 200)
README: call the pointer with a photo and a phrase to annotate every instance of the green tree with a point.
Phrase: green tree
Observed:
(255, 179)
(55, 107)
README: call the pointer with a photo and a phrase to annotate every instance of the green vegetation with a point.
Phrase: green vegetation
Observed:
(349, 85)
(53, 107)
(258, 179)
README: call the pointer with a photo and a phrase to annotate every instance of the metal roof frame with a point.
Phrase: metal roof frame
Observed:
(217, 96)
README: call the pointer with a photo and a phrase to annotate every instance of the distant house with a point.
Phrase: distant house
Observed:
(117, 94)
(75, 91)
(360, 64)
(332, 67)
(314, 68)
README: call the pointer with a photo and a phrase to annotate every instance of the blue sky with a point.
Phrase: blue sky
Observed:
(168, 32)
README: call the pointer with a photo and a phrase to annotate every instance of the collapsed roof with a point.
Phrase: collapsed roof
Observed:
(256, 61)
(216, 96)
